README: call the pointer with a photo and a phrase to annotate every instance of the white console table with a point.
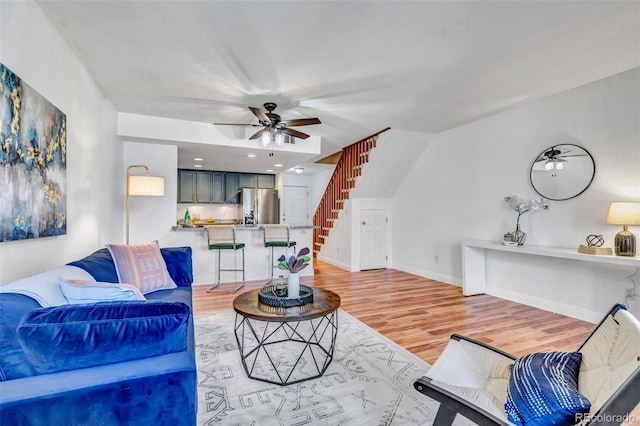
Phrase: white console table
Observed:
(474, 260)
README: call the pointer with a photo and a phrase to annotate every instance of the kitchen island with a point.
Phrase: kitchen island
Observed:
(257, 256)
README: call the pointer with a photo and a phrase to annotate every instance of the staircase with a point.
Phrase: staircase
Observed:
(344, 176)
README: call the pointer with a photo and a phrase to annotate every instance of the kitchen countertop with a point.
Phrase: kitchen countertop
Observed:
(238, 227)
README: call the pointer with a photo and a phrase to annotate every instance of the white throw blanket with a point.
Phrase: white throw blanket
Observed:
(44, 287)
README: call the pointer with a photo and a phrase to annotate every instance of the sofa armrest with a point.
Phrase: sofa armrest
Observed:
(142, 391)
(77, 336)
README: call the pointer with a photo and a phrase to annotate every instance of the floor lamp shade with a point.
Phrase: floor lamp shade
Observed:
(142, 186)
(146, 186)
(625, 214)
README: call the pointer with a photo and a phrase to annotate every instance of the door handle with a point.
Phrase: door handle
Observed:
(364, 223)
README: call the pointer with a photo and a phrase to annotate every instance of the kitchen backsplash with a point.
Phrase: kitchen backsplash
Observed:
(204, 211)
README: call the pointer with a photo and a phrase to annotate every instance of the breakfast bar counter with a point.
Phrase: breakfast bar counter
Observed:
(257, 256)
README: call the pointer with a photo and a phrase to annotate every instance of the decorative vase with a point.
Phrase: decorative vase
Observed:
(518, 236)
(293, 285)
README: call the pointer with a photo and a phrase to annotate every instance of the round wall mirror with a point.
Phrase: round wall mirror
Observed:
(562, 172)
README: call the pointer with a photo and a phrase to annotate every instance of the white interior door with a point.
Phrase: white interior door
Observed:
(373, 239)
(295, 205)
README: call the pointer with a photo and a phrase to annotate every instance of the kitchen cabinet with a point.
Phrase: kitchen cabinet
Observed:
(217, 182)
(232, 184)
(203, 187)
(247, 180)
(267, 181)
(186, 186)
(200, 187)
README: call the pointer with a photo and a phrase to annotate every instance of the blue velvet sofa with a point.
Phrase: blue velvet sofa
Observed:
(134, 363)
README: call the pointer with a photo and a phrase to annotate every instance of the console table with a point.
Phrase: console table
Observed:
(474, 260)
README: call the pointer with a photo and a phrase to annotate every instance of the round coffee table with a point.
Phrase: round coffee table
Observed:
(286, 345)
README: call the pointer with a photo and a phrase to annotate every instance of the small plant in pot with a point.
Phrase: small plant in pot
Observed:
(294, 263)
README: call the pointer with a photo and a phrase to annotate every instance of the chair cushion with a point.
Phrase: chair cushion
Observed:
(226, 246)
(543, 390)
(609, 357)
(79, 291)
(279, 244)
(141, 265)
(78, 336)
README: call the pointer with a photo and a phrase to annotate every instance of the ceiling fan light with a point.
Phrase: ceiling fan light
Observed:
(265, 139)
(279, 137)
(559, 165)
(548, 165)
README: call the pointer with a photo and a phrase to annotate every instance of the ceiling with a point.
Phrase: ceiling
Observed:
(359, 66)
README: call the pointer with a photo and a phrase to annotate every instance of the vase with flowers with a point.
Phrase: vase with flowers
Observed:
(294, 264)
(521, 207)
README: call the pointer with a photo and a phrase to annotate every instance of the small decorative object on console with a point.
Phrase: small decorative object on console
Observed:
(594, 246)
(595, 240)
(520, 206)
(603, 251)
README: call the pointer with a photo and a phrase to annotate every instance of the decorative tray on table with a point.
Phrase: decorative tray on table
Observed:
(267, 295)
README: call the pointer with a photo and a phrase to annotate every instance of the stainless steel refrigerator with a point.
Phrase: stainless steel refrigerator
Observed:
(259, 206)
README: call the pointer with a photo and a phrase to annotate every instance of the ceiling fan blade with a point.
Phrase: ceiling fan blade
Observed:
(301, 122)
(294, 133)
(259, 133)
(260, 114)
(237, 124)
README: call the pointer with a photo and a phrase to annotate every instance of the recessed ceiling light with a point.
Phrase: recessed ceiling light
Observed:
(269, 170)
(197, 166)
(299, 169)
(251, 155)
(197, 159)
(278, 165)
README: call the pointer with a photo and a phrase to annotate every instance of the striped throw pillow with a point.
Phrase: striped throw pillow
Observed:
(141, 265)
(543, 390)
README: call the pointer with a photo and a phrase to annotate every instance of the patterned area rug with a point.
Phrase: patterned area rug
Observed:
(369, 382)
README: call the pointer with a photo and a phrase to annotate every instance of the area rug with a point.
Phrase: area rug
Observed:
(369, 382)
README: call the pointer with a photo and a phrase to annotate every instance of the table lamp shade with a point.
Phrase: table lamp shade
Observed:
(146, 186)
(625, 214)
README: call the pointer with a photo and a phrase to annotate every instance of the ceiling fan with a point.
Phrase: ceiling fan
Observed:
(554, 158)
(271, 123)
(554, 154)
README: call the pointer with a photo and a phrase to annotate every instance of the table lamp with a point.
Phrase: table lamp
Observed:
(625, 214)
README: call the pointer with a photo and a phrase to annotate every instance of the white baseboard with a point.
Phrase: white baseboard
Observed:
(334, 262)
(547, 305)
(428, 274)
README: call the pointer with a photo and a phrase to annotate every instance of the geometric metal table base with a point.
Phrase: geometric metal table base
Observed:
(287, 352)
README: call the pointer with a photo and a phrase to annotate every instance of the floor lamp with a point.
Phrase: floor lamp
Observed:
(142, 186)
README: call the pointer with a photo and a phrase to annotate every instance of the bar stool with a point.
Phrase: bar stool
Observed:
(277, 236)
(223, 237)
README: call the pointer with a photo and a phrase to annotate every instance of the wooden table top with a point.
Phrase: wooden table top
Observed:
(324, 302)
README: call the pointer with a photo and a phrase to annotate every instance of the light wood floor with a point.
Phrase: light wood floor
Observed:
(420, 314)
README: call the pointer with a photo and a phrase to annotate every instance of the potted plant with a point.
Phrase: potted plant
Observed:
(294, 264)
(521, 207)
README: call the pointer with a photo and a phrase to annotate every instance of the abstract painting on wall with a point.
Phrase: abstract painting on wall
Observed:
(33, 162)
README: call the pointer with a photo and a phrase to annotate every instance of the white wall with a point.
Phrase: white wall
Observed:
(456, 191)
(32, 48)
(319, 182)
(151, 218)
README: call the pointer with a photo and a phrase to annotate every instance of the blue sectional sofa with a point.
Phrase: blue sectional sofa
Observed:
(134, 363)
